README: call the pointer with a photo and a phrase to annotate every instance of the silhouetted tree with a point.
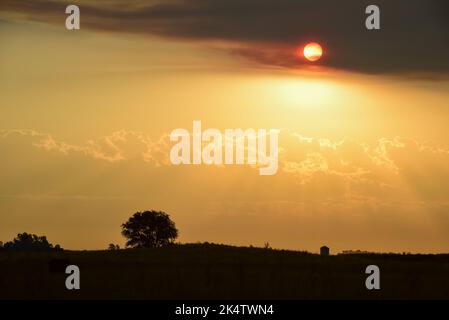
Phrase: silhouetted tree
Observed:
(149, 229)
(30, 242)
(113, 246)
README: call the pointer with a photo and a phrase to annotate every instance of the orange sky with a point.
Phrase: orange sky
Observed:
(84, 124)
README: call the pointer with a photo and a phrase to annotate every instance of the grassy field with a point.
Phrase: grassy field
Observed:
(222, 272)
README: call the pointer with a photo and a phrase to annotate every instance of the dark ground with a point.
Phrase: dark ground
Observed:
(204, 271)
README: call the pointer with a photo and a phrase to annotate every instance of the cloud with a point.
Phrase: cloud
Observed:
(390, 169)
(413, 40)
(118, 146)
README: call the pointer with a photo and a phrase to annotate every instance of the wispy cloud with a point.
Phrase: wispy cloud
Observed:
(118, 146)
(413, 40)
(390, 165)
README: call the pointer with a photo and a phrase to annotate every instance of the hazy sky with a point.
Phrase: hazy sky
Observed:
(85, 117)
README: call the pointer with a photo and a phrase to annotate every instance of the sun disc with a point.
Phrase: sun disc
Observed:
(313, 51)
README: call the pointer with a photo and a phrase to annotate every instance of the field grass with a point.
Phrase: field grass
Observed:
(205, 271)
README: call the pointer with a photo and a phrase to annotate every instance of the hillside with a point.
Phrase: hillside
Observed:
(221, 272)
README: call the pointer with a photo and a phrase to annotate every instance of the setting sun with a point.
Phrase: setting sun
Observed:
(313, 51)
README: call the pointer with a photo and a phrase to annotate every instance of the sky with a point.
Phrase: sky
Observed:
(85, 118)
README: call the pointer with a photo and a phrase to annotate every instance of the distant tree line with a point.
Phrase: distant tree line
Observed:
(29, 242)
(147, 229)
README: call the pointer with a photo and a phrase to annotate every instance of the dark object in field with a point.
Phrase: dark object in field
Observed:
(58, 265)
(324, 251)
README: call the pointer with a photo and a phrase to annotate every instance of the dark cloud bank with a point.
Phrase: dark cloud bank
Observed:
(413, 40)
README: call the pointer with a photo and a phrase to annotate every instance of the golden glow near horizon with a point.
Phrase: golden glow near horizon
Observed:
(313, 51)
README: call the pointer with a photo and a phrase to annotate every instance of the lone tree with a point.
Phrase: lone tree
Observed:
(149, 229)
(30, 242)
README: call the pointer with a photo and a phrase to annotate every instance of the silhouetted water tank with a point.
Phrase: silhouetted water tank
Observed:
(324, 251)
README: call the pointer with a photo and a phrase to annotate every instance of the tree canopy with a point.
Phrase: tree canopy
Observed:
(149, 229)
(30, 242)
